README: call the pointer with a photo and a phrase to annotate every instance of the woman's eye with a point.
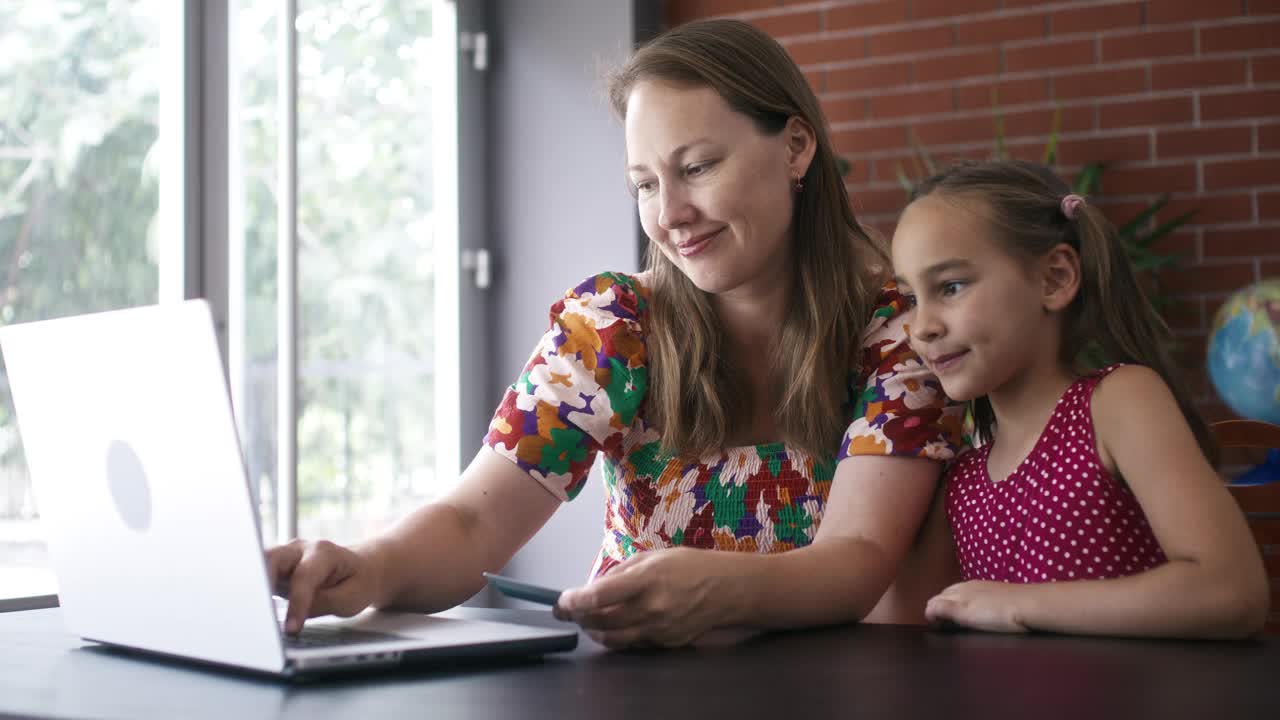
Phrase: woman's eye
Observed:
(697, 169)
(644, 187)
(952, 287)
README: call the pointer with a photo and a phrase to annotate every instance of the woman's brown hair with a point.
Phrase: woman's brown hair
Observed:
(697, 398)
(1111, 317)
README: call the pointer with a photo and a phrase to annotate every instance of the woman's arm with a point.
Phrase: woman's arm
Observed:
(1213, 584)
(670, 597)
(430, 560)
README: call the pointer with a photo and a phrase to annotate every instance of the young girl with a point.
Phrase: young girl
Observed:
(1099, 482)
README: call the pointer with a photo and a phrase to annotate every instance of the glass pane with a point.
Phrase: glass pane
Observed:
(252, 274)
(366, 425)
(79, 198)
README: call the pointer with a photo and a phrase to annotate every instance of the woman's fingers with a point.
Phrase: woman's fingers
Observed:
(321, 566)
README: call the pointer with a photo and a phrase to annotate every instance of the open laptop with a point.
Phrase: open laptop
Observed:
(129, 437)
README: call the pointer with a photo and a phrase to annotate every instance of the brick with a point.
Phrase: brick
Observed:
(1047, 55)
(1110, 150)
(1243, 104)
(865, 15)
(1207, 279)
(1119, 212)
(845, 110)
(859, 171)
(726, 7)
(1185, 314)
(1182, 243)
(955, 130)
(1148, 180)
(827, 50)
(1202, 142)
(1242, 173)
(1211, 209)
(1100, 83)
(969, 64)
(1269, 205)
(885, 169)
(1149, 113)
(912, 40)
(817, 80)
(1265, 69)
(1040, 122)
(1244, 242)
(1148, 45)
(879, 201)
(679, 12)
(1268, 138)
(1001, 29)
(792, 23)
(1199, 74)
(926, 9)
(1094, 19)
(919, 102)
(1179, 11)
(865, 77)
(1002, 93)
(858, 141)
(1252, 35)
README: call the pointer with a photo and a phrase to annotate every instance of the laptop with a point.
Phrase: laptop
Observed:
(152, 533)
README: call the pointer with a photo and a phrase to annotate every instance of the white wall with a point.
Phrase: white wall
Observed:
(561, 211)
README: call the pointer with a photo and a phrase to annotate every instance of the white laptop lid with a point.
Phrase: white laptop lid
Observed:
(128, 433)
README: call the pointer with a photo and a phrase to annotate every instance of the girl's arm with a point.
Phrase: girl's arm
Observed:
(1213, 585)
(671, 597)
(930, 566)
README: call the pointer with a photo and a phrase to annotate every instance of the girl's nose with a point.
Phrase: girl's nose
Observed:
(924, 325)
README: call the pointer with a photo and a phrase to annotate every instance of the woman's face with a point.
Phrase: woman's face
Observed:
(713, 191)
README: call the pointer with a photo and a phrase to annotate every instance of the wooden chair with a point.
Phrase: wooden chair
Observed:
(1260, 503)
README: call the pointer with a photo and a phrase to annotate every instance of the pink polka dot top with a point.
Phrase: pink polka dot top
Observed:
(1059, 516)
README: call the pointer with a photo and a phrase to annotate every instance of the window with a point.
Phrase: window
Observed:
(80, 175)
(92, 217)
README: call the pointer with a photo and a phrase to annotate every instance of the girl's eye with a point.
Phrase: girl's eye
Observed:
(644, 187)
(910, 299)
(952, 287)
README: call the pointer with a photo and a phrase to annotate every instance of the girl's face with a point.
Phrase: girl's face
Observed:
(979, 319)
(713, 192)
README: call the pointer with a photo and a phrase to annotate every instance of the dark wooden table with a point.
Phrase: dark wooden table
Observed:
(847, 672)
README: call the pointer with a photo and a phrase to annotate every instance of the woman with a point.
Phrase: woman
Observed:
(751, 391)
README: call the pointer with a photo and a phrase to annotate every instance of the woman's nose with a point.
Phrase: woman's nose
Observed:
(676, 211)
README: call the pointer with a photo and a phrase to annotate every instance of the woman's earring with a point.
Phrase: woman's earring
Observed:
(798, 185)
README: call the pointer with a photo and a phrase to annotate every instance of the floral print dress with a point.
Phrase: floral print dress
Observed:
(582, 395)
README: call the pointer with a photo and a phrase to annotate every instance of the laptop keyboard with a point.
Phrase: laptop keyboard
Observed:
(314, 636)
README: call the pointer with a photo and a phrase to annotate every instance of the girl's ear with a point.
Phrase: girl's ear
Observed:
(802, 144)
(1060, 277)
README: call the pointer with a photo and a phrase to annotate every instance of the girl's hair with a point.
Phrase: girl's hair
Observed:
(697, 396)
(1111, 317)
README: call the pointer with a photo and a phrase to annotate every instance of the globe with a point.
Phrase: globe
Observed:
(1244, 355)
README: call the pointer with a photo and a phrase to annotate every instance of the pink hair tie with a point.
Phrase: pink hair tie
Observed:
(1070, 203)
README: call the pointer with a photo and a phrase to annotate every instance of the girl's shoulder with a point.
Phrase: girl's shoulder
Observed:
(1116, 386)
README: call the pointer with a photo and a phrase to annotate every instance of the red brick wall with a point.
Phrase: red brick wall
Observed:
(1177, 96)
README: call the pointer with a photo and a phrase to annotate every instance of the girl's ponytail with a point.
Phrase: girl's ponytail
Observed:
(1114, 321)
